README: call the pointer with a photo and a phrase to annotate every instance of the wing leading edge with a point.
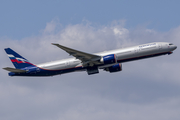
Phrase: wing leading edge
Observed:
(86, 58)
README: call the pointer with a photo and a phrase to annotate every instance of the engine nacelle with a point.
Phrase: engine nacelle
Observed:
(114, 68)
(109, 59)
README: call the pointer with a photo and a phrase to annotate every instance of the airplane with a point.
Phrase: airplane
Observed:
(110, 61)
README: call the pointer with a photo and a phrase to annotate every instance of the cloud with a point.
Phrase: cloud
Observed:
(146, 89)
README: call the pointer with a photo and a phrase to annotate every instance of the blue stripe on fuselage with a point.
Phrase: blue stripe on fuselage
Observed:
(36, 71)
(141, 57)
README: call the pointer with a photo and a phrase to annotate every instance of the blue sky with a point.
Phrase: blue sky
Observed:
(21, 18)
(144, 90)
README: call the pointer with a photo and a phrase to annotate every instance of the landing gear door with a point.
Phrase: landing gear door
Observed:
(136, 50)
(92, 70)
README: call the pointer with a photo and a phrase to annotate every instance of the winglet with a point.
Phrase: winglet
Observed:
(54, 43)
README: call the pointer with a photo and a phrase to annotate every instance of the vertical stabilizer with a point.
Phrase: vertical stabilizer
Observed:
(17, 60)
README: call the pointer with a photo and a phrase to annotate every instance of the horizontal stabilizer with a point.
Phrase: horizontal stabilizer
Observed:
(14, 70)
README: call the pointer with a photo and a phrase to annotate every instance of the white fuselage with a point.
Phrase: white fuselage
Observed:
(122, 55)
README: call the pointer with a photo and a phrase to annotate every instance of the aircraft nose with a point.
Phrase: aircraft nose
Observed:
(175, 47)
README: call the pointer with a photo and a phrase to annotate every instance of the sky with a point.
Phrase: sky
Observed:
(145, 89)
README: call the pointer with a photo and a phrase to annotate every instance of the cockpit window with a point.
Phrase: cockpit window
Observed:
(170, 44)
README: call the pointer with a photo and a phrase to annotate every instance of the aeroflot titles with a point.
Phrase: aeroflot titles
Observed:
(152, 44)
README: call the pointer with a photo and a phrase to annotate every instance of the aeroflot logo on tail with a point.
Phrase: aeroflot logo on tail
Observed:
(147, 45)
(18, 60)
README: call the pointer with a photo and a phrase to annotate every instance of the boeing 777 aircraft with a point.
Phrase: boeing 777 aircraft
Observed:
(109, 61)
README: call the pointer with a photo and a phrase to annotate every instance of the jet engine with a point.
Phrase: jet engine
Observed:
(108, 59)
(114, 68)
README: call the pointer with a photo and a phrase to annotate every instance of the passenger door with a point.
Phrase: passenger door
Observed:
(160, 46)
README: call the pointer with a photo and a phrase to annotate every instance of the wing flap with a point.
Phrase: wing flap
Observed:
(14, 70)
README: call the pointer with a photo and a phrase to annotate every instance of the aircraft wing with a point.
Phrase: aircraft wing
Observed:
(14, 70)
(84, 57)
